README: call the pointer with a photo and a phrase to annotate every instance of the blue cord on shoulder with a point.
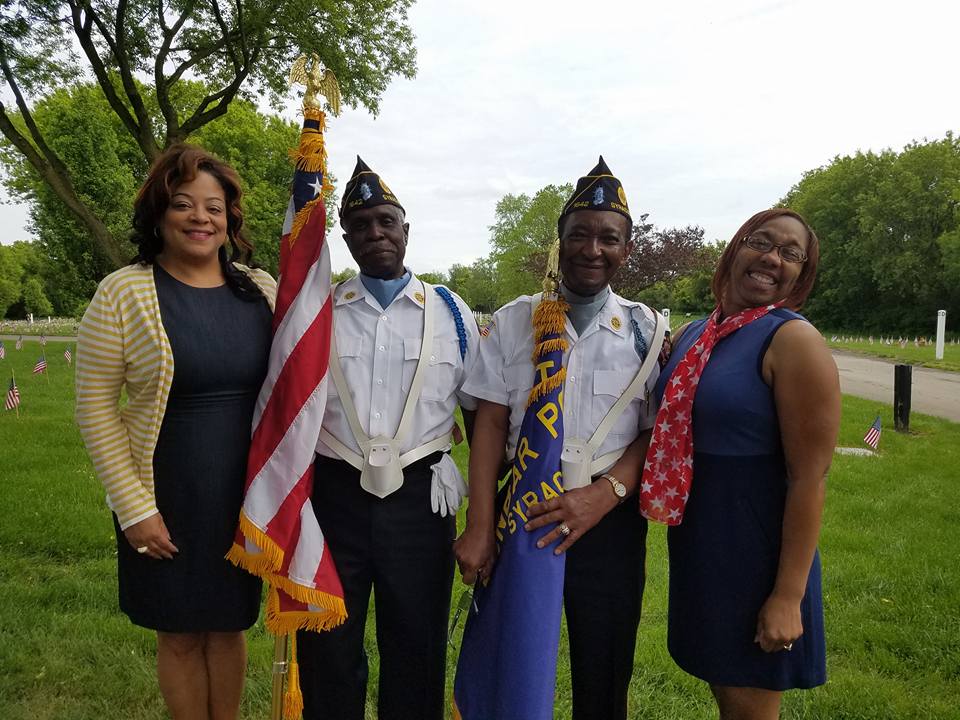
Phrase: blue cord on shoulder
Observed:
(447, 297)
(638, 341)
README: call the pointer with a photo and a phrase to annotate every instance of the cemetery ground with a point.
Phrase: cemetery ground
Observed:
(910, 354)
(891, 580)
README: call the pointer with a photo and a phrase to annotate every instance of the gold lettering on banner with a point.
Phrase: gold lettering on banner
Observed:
(548, 416)
(524, 452)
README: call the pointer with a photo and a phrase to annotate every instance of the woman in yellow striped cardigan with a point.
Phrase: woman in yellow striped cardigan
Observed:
(185, 331)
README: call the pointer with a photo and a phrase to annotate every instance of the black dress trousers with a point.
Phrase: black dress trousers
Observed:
(400, 549)
(602, 597)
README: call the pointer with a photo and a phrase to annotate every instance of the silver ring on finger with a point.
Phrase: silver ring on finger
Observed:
(788, 646)
(142, 549)
(564, 529)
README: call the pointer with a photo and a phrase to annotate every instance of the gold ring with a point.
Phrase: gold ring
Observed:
(142, 549)
(564, 530)
(788, 646)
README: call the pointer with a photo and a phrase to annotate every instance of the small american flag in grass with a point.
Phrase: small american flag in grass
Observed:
(872, 438)
(67, 356)
(41, 365)
(13, 396)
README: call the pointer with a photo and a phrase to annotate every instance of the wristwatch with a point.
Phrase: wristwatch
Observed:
(619, 489)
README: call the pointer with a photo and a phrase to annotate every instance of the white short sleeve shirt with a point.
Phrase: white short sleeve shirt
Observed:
(379, 349)
(600, 365)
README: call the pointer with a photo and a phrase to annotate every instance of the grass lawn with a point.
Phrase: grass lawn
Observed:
(891, 552)
(924, 355)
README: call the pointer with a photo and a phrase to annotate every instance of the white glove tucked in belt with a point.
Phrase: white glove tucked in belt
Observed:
(447, 488)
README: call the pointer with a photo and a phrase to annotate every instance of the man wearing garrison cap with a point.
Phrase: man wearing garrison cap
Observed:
(611, 368)
(386, 491)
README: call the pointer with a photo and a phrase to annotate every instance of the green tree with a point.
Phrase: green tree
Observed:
(343, 275)
(242, 49)
(11, 274)
(107, 166)
(887, 223)
(34, 298)
(523, 231)
(476, 284)
(434, 278)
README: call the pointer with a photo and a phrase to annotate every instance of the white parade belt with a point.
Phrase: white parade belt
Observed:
(576, 460)
(381, 465)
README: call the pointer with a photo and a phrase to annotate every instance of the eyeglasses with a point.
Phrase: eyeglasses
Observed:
(788, 253)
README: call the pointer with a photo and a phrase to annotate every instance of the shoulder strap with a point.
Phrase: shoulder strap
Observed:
(633, 389)
(416, 385)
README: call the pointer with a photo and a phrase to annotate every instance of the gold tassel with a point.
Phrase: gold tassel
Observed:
(293, 697)
(549, 319)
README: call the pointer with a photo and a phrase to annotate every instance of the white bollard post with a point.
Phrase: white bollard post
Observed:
(941, 331)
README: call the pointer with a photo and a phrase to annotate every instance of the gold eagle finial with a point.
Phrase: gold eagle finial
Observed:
(551, 279)
(309, 71)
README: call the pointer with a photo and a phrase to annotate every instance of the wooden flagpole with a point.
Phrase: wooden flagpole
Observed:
(279, 675)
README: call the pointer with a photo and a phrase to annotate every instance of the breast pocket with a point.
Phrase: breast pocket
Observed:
(519, 380)
(608, 386)
(350, 352)
(440, 373)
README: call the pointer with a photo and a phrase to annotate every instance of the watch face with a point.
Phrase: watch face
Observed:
(619, 489)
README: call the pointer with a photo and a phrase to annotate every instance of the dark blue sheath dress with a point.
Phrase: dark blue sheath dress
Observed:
(220, 345)
(724, 555)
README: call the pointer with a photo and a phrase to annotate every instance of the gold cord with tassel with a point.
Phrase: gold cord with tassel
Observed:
(293, 697)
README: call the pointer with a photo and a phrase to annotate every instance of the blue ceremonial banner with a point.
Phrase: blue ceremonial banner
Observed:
(508, 659)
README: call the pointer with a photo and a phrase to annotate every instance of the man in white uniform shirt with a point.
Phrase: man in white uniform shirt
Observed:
(385, 489)
(604, 537)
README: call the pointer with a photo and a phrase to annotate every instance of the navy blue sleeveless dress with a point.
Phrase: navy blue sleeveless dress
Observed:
(724, 555)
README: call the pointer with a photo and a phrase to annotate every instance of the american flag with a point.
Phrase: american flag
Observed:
(41, 365)
(872, 438)
(13, 396)
(20, 343)
(3, 351)
(43, 339)
(279, 538)
(67, 356)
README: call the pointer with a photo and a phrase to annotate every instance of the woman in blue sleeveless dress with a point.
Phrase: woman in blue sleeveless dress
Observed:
(746, 610)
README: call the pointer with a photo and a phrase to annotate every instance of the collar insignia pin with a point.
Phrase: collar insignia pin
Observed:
(615, 323)
(418, 296)
(350, 295)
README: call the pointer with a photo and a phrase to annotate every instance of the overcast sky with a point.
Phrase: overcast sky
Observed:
(706, 111)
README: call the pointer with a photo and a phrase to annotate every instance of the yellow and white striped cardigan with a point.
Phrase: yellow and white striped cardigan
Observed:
(121, 343)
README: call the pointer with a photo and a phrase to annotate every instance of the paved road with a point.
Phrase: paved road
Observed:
(934, 392)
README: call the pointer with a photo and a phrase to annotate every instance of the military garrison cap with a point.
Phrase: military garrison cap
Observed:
(366, 189)
(598, 190)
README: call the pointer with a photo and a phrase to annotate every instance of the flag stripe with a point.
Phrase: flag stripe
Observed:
(314, 294)
(300, 377)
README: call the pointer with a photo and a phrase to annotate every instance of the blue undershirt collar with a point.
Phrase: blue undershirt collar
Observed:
(583, 308)
(385, 291)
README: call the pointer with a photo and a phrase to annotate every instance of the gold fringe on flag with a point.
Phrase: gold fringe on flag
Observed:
(268, 560)
(335, 612)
